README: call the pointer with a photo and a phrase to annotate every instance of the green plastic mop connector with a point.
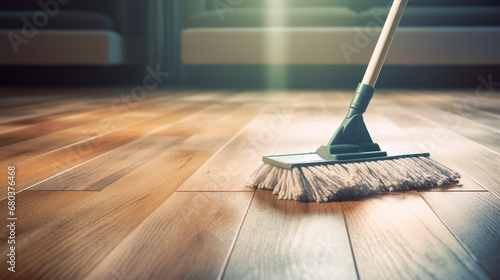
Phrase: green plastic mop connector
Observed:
(352, 140)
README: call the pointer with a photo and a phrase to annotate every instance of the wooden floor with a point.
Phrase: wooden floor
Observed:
(113, 187)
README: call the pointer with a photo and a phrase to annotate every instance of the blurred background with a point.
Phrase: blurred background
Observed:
(245, 43)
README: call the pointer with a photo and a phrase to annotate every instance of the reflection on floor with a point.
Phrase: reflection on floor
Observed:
(113, 187)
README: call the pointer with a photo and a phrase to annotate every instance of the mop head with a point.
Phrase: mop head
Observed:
(330, 182)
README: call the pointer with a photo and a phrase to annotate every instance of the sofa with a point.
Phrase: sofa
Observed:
(243, 41)
(70, 32)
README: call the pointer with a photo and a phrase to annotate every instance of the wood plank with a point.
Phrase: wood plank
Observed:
(56, 122)
(35, 108)
(259, 96)
(158, 155)
(469, 158)
(36, 169)
(34, 101)
(481, 134)
(81, 116)
(103, 171)
(295, 240)
(484, 101)
(122, 206)
(187, 237)
(34, 111)
(22, 97)
(312, 124)
(46, 115)
(47, 143)
(397, 236)
(35, 208)
(111, 133)
(474, 219)
(228, 169)
(60, 139)
(291, 240)
(465, 107)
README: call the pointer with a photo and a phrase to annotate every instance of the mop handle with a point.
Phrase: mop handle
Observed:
(384, 42)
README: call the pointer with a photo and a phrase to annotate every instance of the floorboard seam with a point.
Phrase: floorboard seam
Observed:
(349, 238)
(230, 252)
(456, 237)
(99, 156)
(227, 143)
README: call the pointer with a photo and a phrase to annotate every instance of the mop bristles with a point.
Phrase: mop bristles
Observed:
(322, 183)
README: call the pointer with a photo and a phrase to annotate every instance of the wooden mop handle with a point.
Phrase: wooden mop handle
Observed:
(384, 42)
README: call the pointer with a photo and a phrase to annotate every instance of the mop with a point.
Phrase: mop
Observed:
(352, 165)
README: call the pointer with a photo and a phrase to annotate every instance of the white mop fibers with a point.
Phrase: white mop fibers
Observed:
(322, 183)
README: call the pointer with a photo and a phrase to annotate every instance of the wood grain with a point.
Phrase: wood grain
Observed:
(26, 129)
(187, 237)
(36, 169)
(468, 107)
(106, 135)
(79, 115)
(397, 236)
(168, 208)
(58, 139)
(474, 219)
(230, 167)
(312, 125)
(30, 103)
(108, 168)
(35, 208)
(484, 101)
(32, 120)
(30, 132)
(294, 240)
(122, 206)
(458, 123)
(291, 240)
(293, 124)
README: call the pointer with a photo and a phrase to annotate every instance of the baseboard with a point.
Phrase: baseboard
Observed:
(71, 75)
(335, 76)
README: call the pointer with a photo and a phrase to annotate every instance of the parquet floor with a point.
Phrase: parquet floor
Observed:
(116, 186)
